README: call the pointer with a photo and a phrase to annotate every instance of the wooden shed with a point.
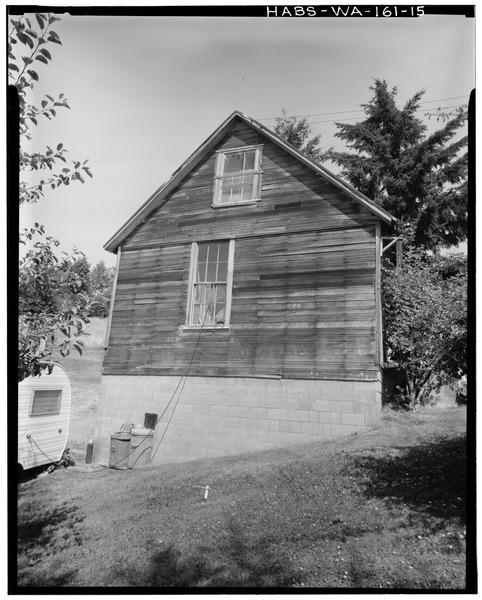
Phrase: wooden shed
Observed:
(246, 311)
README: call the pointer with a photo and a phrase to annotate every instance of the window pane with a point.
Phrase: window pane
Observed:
(223, 251)
(233, 163)
(201, 272)
(238, 188)
(202, 252)
(249, 161)
(213, 252)
(221, 293)
(198, 294)
(220, 304)
(211, 274)
(222, 271)
(46, 402)
(219, 316)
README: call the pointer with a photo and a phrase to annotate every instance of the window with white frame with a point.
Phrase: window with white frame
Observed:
(45, 402)
(209, 301)
(238, 176)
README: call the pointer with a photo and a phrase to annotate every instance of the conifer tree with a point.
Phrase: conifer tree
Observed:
(297, 132)
(420, 178)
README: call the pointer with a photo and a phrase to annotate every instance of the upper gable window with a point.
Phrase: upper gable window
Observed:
(238, 176)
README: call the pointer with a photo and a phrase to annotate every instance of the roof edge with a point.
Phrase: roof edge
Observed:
(160, 194)
(114, 241)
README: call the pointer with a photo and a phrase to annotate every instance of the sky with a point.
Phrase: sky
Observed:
(145, 92)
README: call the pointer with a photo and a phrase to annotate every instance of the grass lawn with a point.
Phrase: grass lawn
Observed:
(380, 510)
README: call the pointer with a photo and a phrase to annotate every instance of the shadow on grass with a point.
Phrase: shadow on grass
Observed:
(51, 581)
(41, 535)
(235, 562)
(24, 476)
(430, 478)
(37, 530)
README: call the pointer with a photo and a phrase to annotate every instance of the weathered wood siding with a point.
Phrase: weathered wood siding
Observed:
(303, 303)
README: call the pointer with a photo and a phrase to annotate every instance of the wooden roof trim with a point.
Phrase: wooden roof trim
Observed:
(160, 194)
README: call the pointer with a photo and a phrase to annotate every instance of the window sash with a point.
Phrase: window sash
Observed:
(210, 285)
(238, 186)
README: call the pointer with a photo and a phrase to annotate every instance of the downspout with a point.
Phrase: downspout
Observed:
(112, 299)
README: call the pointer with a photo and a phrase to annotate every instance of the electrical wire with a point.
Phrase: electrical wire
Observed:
(55, 462)
(182, 381)
(182, 388)
(354, 111)
(358, 118)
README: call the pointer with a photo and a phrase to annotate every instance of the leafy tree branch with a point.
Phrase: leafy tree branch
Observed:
(26, 44)
(53, 303)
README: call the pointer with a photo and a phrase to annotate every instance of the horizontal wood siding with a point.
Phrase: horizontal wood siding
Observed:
(293, 198)
(308, 314)
(303, 301)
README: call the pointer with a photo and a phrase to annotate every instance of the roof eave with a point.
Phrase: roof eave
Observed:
(340, 183)
(158, 196)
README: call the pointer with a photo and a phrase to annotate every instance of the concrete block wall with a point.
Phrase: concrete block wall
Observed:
(220, 416)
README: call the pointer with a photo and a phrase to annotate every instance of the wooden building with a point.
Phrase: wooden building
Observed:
(246, 312)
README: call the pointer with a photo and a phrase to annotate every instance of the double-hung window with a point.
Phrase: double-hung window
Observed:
(238, 176)
(209, 301)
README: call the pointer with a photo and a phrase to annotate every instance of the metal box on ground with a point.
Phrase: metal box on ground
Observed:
(141, 447)
(120, 447)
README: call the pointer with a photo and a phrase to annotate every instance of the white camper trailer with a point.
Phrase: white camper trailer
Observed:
(43, 418)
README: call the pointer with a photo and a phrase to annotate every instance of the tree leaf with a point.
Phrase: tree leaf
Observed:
(46, 53)
(33, 75)
(50, 98)
(53, 37)
(42, 59)
(59, 147)
(12, 67)
(40, 21)
(25, 39)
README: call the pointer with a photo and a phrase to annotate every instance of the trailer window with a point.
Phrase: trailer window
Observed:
(46, 402)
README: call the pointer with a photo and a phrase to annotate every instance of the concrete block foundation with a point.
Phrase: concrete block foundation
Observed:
(217, 416)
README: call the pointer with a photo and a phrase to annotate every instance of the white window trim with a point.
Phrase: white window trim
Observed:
(229, 287)
(218, 176)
